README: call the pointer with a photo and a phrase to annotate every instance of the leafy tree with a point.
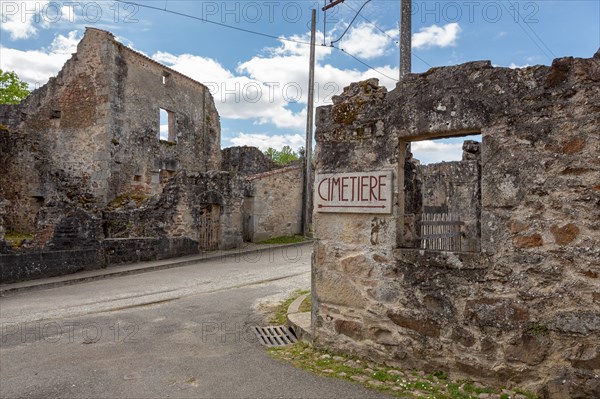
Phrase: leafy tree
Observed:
(271, 153)
(283, 157)
(12, 89)
(287, 155)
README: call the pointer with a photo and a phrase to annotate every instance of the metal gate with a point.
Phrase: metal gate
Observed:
(210, 228)
(440, 231)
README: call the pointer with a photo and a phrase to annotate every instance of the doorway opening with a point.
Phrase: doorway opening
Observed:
(210, 227)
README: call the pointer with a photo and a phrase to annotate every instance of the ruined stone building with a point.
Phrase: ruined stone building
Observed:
(487, 268)
(88, 181)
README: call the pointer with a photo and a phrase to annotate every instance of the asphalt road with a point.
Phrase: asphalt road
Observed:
(176, 333)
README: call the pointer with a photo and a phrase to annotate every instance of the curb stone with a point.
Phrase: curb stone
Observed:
(299, 322)
(136, 268)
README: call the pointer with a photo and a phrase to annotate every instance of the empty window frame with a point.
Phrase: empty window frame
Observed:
(165, 77)
(167, 126)
(442, 196)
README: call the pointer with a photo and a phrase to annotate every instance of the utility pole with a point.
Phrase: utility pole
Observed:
(405, 37)
(309, 130)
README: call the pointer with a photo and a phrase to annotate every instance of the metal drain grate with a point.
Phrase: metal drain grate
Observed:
(275, 335)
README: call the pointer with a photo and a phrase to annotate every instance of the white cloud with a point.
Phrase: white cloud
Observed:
(264, 141)
(432, 151)
(515, 66)
(18, 18)
(164, 132)
(365, 42)
(202, 69)
(37, 66)
(263, 87)
(436, 36)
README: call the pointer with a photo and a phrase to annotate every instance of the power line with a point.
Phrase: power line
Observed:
(248, 31)
(391, 37)
(214, 22)
(530, 28)
(365, 64)
(351, 22)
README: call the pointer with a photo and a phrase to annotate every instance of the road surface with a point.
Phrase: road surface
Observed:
(176, 333)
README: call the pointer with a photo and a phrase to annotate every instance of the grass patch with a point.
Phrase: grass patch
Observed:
(17, 239)
(284, 240)
(306, 305)
(412, 384)
(125, 199)
(538, 329)
(280, 312)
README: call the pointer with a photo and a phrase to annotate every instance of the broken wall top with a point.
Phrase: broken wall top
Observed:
(459, 100)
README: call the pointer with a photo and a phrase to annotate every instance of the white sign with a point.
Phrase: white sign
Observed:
(361, 192)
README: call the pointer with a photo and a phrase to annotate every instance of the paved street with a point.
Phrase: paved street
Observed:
(176, 333)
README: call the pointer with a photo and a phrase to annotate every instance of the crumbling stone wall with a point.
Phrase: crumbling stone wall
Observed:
(245, 161)
(75, 149)
(273, 204)
(92, 133)
(524, 309)
(140, 88)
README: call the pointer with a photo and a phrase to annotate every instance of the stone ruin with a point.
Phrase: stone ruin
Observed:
(88, 180)
(487, 268)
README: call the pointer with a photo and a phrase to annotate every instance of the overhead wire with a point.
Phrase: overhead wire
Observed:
(365, 64)
(214, 22)
(388, 35)
(282, 38)
(351, 22)
(530, 28)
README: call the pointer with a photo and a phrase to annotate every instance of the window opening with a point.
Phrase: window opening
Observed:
(167, 126)
(165, 77)
(442, 194)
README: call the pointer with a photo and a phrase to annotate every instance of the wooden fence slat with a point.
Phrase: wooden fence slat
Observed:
(440, 231)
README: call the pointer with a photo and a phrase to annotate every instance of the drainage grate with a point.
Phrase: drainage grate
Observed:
(275, 335)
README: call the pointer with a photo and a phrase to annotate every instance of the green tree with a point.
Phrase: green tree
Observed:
(287, 155)
(271, 153)
(283, 157)
(12, 89)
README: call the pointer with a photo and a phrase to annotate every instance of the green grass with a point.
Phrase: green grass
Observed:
(16, 239)
(284, 240)
(125, 199)
(411, 384)
(306, 305)
(280, 312)
(538, 329)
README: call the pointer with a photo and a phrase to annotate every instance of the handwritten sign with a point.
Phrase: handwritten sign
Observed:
(361, 192)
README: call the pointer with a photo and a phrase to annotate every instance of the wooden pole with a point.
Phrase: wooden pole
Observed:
(309, 130)
(405, 37)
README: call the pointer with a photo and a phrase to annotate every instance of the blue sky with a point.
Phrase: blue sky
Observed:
(259, 82)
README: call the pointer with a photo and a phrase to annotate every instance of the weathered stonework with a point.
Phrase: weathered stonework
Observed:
(88, 182)
(273, 204)
(245, 161)
(522, 308)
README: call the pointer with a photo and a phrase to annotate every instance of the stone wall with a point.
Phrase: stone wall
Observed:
(245, 161)
(273, 204)
(28, 266)
(524, 309)
(82, 163)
